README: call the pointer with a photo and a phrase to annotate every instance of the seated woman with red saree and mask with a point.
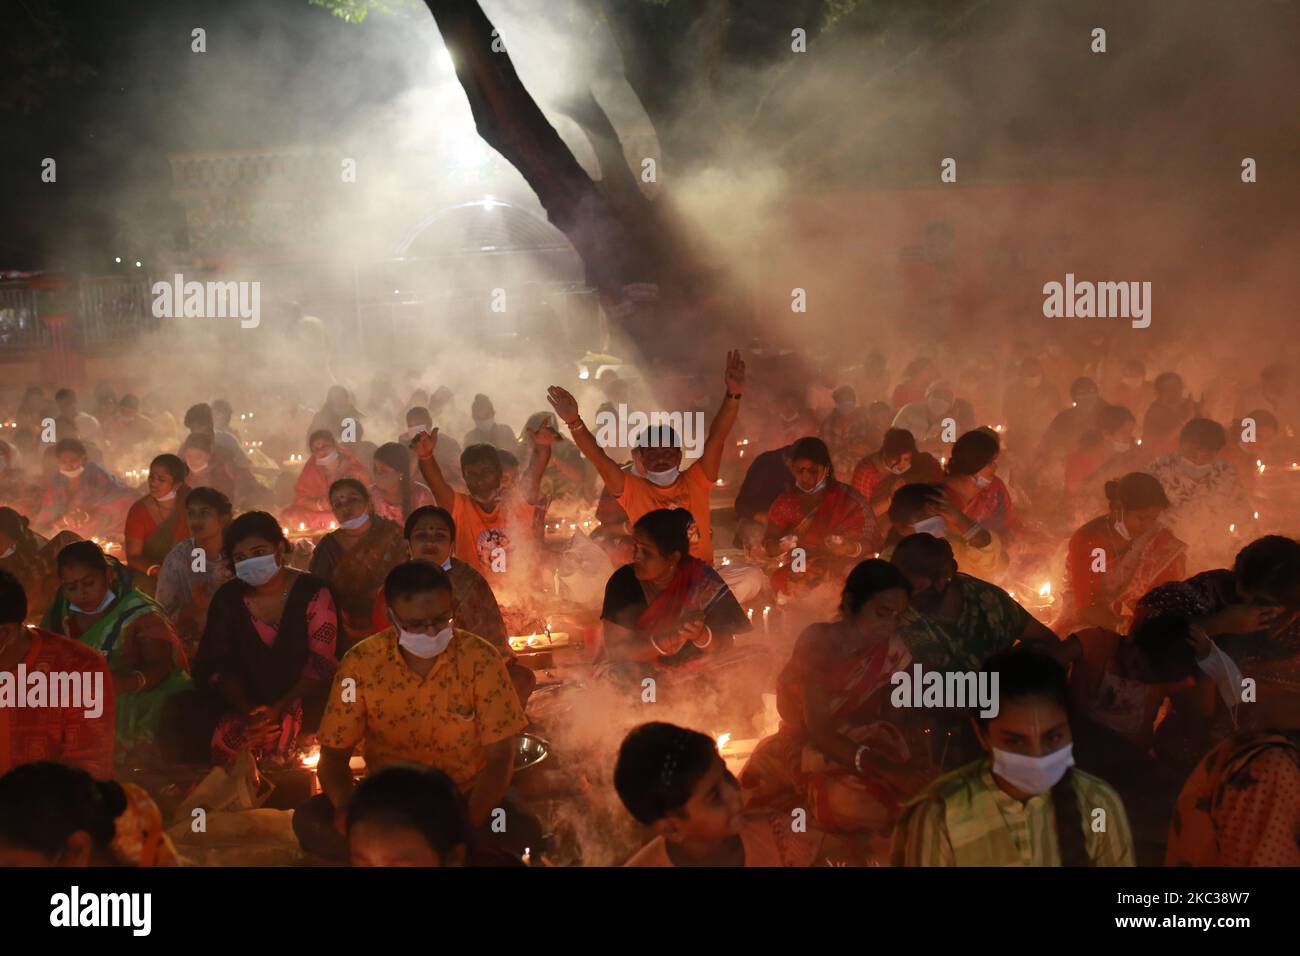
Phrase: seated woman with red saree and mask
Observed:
(669, 615)
(821, 525)
(843, 751)
(156, 522)
(973, 485)
(355, 559)
(1116, 558)
(264, 665)
(878, 474)
(82, 497)
(328, 463)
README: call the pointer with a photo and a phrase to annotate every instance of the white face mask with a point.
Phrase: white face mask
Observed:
(487, 424)
(257, 571)
(446, 565)
(109, 598)
(410, 433)
(352, 524)
(937, 406)
(982, 482)
(1193, 470)
(73, 472)
(12, 549)
(167, 497)
(424, 646)
(1033, 774)
(934, 526)
(1121, 529)
(329, 459)
(663, 478)
(896, 469)
(814, 489)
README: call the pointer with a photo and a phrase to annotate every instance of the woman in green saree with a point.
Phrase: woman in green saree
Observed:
(98, 605)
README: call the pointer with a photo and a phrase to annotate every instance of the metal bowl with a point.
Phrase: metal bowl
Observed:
(530, 750)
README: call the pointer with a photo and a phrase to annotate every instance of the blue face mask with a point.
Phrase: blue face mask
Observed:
(257, 571)
(352, 524)
(446, 565)
(109, 598)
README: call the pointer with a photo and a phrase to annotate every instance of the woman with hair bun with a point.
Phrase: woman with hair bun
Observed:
(52, 814)
(1116, 558)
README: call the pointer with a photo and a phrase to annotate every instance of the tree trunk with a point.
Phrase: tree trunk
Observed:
(627, 242)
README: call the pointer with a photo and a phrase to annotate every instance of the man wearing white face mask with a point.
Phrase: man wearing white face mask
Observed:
(426, 692)
(1205, 494)
(1024, 803)
(657, 479)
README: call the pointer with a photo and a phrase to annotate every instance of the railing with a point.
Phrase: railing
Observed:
(113, 310)
(20, 325)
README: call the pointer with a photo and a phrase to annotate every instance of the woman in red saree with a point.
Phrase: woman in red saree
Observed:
(156, 522)
(82, 497)
(973, 486)
(825, 518)
(311, 510)
(671, 616)
(1116, 558)
(842, 751)
(877, 475)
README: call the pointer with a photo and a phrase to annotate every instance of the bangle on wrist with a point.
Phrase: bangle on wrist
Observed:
(972, 531)
(660, 650)
(709, 631)
(857, 758)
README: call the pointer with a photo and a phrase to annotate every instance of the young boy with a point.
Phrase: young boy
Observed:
(672, 779)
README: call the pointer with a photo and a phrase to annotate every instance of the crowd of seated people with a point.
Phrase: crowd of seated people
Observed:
(1106, 560)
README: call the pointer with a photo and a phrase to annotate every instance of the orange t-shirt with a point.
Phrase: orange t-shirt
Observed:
(689, 491)
(479, 533)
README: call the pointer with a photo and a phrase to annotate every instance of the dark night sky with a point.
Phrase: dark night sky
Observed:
(112, 132)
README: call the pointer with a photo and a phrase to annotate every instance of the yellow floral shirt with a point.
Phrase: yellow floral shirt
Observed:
(446, 719)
